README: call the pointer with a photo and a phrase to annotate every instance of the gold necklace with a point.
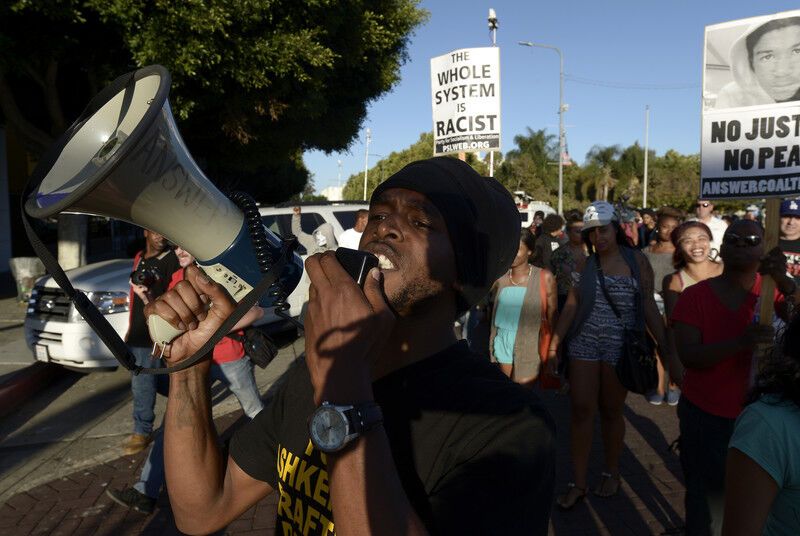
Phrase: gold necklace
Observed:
(530, 269)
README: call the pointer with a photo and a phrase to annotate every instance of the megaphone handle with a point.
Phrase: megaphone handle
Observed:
(161, 331)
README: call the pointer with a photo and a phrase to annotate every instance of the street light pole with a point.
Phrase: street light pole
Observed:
(492, 20)
(561, 110)
(646, 150)
(366, 164)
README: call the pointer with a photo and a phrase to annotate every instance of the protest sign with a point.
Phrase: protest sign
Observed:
(465, 94)
(751, 118)
(751, 108)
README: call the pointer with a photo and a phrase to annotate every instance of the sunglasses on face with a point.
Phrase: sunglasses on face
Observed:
(732, 239)
(704, 205)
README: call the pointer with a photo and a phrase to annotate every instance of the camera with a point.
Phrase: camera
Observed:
(145, 275)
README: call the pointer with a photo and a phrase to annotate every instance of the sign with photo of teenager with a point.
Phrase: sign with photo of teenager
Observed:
(751, 108)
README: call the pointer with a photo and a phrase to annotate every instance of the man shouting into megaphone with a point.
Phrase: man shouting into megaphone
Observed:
(388, 424)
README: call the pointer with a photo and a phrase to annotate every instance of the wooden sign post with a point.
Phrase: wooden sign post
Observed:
(772, 227)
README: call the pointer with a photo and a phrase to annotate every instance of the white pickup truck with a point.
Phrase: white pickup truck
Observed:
(55, 332)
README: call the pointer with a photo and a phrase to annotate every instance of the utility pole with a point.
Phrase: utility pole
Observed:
(366, 164)
(561, 109)
(493, 29)
(339, 179)
(646, 141)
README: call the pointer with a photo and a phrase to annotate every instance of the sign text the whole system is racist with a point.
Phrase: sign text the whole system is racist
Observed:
(465, 94)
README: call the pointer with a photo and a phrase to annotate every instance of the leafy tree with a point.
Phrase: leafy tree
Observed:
(674, 180)
(610, 172)
(394, 162)
(254, 82)
(603, 155)
(532, 166)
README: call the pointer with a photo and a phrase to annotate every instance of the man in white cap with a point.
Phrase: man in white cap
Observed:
(790, 236)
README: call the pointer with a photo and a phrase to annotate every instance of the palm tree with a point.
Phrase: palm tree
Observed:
(603, 156)
(541, 147)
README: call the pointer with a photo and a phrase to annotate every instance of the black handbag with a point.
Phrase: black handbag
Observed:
(636, 367)
(257, 345)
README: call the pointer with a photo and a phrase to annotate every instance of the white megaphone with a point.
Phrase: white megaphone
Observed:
(124, 158)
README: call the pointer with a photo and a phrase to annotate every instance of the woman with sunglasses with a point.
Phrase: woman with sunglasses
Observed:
(594, 326)
(716, 336)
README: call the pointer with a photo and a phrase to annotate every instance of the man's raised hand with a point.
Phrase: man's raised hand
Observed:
(188, 306)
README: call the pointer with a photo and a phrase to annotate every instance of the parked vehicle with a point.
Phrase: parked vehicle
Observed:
(278, 219)
(528, 207)
(56, 333)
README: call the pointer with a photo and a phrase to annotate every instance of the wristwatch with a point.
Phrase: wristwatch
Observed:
(331, 427)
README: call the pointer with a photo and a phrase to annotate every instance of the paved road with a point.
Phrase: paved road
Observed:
(60, 452)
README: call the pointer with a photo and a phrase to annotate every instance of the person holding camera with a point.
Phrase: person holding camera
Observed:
(388, 424)
(152, 269)
(232, 367)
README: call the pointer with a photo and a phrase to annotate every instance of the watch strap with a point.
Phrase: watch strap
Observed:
(364, 417)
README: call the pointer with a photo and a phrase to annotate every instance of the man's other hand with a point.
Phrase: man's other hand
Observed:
(345, 329)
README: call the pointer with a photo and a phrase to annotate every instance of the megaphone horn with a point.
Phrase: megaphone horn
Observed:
(124, 158)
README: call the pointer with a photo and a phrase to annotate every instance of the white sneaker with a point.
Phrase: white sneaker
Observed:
(655, 398)
(673, 396)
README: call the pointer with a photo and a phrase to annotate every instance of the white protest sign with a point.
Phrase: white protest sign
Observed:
(751, 108)
(465, 93)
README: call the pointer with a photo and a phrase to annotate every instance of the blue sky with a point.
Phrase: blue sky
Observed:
(618, 42)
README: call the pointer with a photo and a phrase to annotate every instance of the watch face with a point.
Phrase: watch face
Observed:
(328, 429)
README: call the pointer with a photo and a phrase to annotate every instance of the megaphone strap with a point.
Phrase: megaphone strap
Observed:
(111, 338)
(86, 308)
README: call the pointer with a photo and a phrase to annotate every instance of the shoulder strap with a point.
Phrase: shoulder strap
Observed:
(601, 276)
(543, 295)
(86, 308)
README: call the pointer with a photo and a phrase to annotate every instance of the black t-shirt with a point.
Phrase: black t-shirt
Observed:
(546, 244)
(475, 452)
(791, 248)
(138, 335)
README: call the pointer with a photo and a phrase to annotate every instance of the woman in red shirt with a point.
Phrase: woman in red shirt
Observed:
(230, 364)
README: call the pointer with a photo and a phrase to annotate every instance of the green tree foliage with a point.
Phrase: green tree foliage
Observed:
(385, 167)
(533, 165)
(608, 172)
(254, 82)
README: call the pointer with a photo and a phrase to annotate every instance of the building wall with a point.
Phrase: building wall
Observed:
(333, 193)
(5, 216)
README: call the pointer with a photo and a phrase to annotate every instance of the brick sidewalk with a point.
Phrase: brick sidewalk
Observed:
(650, 500)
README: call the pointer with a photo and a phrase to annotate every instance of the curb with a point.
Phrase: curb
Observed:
(26, 383)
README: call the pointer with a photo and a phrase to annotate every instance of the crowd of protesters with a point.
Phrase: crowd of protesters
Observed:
(560, 318)
(693, 281)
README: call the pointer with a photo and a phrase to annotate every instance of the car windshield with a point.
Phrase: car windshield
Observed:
(347, 218)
